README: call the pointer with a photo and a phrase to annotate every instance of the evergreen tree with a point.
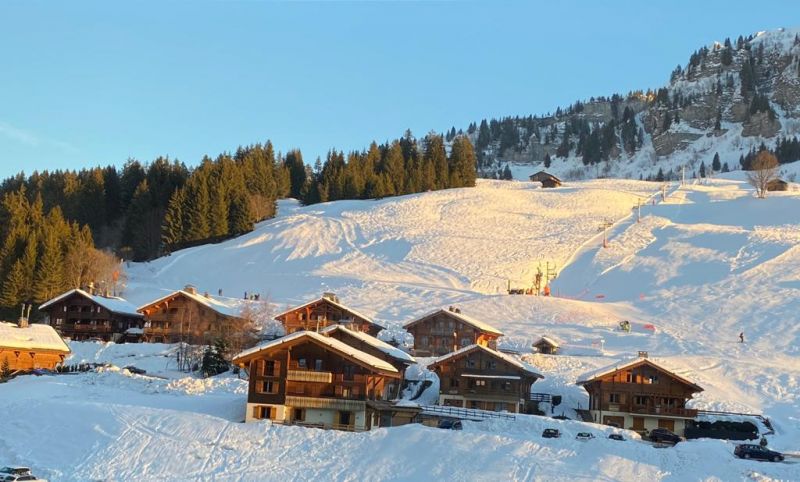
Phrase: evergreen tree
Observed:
(703, 169)
(547, 161)
(297, 173)
(507, 174)
(214, 361)
(240, 219)
(660, 175)
(49, 276)
(172, 230)
(196, 208)
(217, 207)
(715, 164)
(13, 286)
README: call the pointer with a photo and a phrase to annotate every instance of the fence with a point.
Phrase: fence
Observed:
(465, 413)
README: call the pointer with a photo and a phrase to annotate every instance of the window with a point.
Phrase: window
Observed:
(629, 377)
(346, 392)
(477, 383)
(301, 363)
(613, 397)
(465, 342)
(267, 368)
(267, 386)
(639, 400)
(298, 414)
(423, 341)
(318, 365)
(652, 379)
(454, 383)
(507, 386)
(470, 363)
(491, 365)
(349, 372)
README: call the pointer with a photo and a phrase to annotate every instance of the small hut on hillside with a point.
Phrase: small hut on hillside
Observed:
(777, 185)
(547, 179)
(546, 346)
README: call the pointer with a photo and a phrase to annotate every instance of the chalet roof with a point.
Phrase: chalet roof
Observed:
(35, 336)
(547, 340)
(207, 301)
(323, 299)
(485, 327)
(601, 372)
(502, 356)
(381, 345)
(113, 304)
(543, 175)
(332, 343)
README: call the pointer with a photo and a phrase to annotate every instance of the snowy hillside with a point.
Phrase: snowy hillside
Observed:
(704, 264)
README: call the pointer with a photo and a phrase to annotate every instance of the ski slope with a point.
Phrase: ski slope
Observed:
(701, 266)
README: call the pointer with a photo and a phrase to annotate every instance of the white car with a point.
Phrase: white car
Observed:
(20, 478)
(584, 436)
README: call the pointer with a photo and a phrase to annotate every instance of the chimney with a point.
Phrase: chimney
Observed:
(330, 296)
(90, 288)
(206, 294)
(642, 354)
(23, 320)
(190, 289)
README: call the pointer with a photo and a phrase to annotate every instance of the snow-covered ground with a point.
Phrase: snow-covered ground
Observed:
(705, 264)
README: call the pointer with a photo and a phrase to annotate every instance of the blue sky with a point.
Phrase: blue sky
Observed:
(94, 83)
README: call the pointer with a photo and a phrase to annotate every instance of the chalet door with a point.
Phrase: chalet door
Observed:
(667, 424)
(614, 421)
(386, 419)
(638, 423)
(345, 418)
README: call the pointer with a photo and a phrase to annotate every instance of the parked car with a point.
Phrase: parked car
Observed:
(584, 436)
(663, 435)
(134, 370)
(448, 424)
(20, 478)
(750, 451)
(551, 433)
(15, 471)
(616, 436)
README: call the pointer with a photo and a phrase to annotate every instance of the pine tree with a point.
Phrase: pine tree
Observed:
(547, 161)
(703, 169)
(507, 174)
(196, 209)
(49, 276)
(240, 219)
(217, 207)
(172, 230)
(660, 175)
(13, 286)
(715, 165)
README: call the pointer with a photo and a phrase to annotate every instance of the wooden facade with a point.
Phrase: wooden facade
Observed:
(640, 395)
(546, 346)
(447, 330)
(323, 312)
(80, 315)
(187, 316)
(777, 185)
(478, 377)
(548, 180)
(28, 347)
(309, 379)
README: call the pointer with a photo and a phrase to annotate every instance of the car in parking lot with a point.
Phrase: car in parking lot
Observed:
(616, 436)
(660, 435)
(449, 424)
(551, 433)
(20, 478)
(584, 436)
(10, 470)
(757, 452)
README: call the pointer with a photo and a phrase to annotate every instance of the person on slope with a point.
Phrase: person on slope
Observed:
(741, 337)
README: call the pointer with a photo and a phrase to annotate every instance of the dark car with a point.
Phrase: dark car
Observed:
(15, 470)
(450, 424)
(663, 435)
(134, 370)
(616, 436)
(551, 433)
(749, 451)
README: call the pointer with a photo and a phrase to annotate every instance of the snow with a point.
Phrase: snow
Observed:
(460, 316)
(32, 337)
(586, 377)
(332, 302)
(333, 343)
(223, 307)
(381, 345)
(113, 304)
(705, 264)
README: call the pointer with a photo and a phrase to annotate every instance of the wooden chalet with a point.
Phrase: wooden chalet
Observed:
(81, 315)
(187, 316)
(639, 395)
(547, 179)
(447, 330)
(546, 346)
(325, 311)
(481, 378)
(777, 185)
(306, 378)
(371, 345)
(30, 346)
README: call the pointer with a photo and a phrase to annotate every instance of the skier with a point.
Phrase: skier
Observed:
(763, 442)
(741, 337)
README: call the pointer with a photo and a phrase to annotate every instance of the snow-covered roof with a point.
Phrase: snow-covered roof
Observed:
(113, 304)
(334, 303)
(601, 372)
(207, 301)
(460, 316)
(548, 340)
(508, 359)
(332, 343)
(381, 345)
(32, 337)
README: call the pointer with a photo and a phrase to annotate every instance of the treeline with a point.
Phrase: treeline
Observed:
(786, 150)
(43, 254)
(144, 210)
(400, 167)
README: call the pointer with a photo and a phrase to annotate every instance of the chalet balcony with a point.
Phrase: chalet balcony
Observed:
(650, 410)
(309, 376)
(86, 328)
(325, 403)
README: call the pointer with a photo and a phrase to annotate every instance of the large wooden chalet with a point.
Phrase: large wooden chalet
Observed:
(187, 316)
(81, 315)
(325, 311)
(639, 395)
(447, 330)
(30, 346)
(481, 378)
(307, 378)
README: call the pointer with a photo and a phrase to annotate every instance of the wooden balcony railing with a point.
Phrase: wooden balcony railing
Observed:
(325, 403)
(309, 376)
(89, 328)
(651, 410)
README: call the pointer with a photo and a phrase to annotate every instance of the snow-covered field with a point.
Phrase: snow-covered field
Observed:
(705, 264)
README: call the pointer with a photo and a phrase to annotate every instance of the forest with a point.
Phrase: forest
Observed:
(67, 228)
